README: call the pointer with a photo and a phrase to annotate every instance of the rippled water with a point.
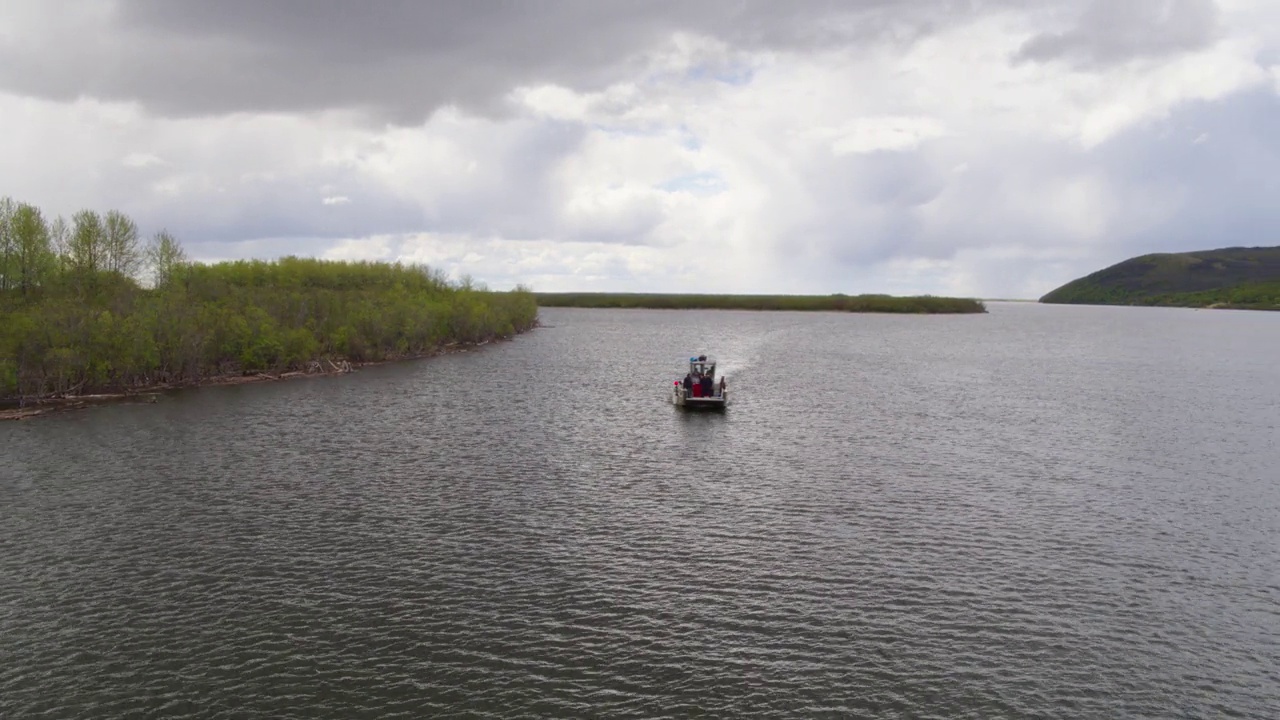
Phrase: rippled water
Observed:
(1040, 512)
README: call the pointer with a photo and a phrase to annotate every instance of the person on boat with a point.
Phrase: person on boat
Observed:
(688, 383)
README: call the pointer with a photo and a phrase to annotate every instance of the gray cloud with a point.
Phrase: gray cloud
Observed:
(1004, 200)
(1227, 182)
(400, 59)
(1168, 190)
(1113, 31)
(865, 207)
(1216, 193)
(287, 204)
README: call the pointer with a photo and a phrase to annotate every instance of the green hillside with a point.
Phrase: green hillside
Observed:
(1235, 277)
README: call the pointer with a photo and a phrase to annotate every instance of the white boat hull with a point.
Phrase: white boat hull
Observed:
(714, 402)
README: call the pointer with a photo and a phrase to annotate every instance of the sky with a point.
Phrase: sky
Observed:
(986, 148)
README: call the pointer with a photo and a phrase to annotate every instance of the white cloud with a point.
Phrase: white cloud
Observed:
(871, 134)
(336, 200)
(373, 248)
(560, 103)
(142, 160)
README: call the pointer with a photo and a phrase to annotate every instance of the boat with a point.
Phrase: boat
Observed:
(701, 389)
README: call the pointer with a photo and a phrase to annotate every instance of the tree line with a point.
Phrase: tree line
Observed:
(921, 304)
(88, 306)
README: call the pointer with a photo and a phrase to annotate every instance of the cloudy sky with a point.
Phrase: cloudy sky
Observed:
(994, 148)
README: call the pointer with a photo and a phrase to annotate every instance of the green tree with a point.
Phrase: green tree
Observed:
(8, 246)
(87, 243)
(33, 261)
(122, 254)
(59, 241)
(164, 256)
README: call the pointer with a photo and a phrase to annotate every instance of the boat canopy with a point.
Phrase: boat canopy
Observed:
(702, 365)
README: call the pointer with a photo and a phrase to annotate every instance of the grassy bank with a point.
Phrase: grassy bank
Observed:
(923, 304)
(76, 321)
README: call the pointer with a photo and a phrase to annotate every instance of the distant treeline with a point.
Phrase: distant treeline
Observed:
(922, 304)
(75, 317)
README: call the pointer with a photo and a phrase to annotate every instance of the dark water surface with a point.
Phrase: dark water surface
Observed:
(1041, 512)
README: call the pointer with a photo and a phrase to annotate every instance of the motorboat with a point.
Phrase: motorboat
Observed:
(701, 388)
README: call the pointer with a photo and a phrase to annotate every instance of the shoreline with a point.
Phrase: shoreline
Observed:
(150, 394)
(1172, 306)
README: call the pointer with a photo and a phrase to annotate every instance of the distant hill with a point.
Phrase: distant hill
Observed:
(1236, 277)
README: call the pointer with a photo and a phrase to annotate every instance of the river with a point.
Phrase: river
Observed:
(1044, 511)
